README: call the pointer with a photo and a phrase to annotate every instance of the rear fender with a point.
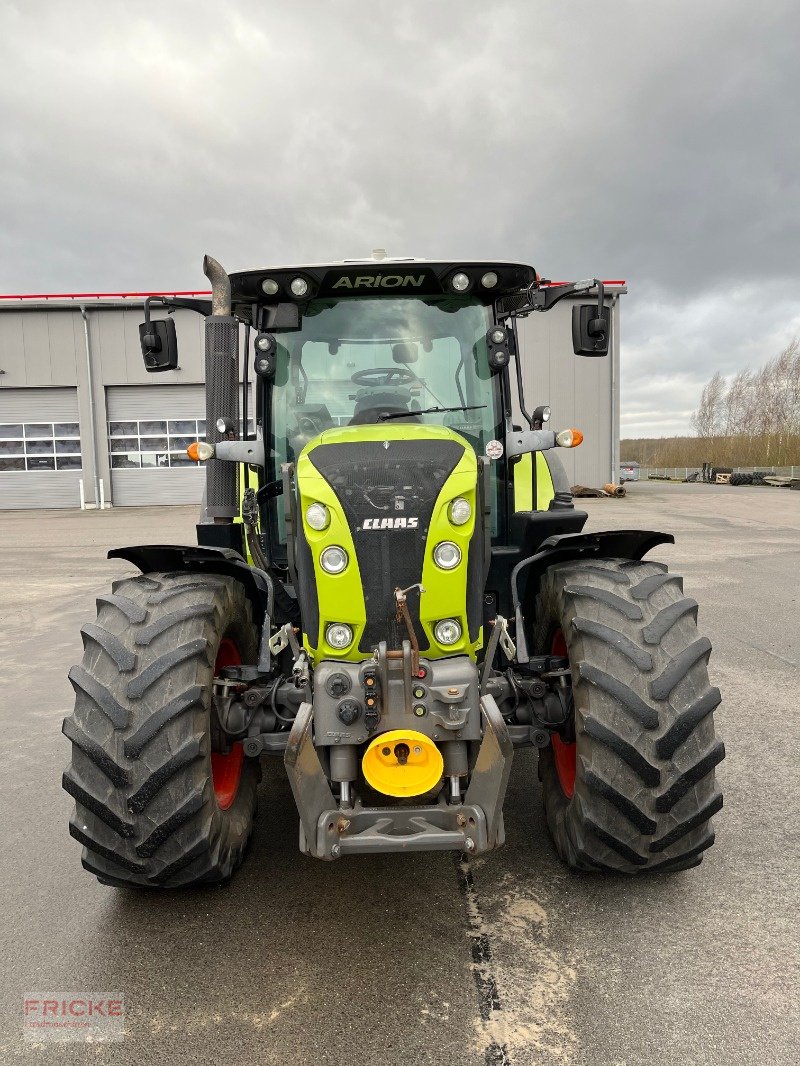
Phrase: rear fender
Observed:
(158, 558)
(612, 544)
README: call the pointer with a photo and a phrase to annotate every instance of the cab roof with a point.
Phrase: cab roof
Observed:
(380, 276)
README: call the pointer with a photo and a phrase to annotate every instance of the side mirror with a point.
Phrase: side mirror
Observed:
(159, 343)
(591, 329)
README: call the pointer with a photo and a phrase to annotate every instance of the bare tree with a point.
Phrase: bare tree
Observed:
(751, 420)
(707, 419)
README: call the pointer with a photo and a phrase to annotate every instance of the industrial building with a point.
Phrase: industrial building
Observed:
(82, 422)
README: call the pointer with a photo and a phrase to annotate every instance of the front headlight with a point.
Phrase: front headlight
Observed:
(318, 516)
(339, 635)
(447, 555)
(333, 560)
(448, 631)
(460, 511)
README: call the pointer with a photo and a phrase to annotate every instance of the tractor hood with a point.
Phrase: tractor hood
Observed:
(388, 492)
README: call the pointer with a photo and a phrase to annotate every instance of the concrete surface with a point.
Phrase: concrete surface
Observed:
(415, 959)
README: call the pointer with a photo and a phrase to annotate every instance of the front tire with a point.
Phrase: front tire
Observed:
(628, 784)
(160, 798)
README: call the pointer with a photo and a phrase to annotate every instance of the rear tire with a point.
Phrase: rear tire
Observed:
(629, 785)
(151, 806)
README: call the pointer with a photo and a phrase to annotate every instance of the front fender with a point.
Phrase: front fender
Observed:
(610, 544)
(157, 558)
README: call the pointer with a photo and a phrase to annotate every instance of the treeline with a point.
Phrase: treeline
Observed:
(751, 420)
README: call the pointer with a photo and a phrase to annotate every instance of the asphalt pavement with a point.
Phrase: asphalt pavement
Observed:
(419, 958)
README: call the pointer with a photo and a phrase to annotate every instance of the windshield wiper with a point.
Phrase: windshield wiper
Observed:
(432, 411)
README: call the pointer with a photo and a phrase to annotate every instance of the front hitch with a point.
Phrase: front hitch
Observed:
(328, 831)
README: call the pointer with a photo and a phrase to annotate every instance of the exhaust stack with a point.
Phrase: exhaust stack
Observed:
(222, 391)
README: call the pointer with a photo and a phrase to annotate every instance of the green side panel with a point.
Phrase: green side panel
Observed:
(533, 484)
(340, 596)
(523, 483)
(544, 483)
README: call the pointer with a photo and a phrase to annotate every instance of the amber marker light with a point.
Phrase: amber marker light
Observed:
(569, 438)
(200, 450)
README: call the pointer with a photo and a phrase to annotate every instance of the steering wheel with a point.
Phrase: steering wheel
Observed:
(382, 376)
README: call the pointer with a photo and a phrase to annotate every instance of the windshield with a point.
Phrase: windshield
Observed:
(362, 360)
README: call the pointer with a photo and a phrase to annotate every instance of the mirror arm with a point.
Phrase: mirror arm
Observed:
(149, 338)
(241, 451)
(521, 390)
(173, 303)
(533, 440)
(597, 327)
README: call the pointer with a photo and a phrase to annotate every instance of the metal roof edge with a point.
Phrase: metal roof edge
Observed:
(121, 299)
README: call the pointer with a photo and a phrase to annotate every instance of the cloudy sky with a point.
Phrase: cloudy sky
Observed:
(641, 139)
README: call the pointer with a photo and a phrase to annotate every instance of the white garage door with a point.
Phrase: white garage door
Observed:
(40, 448)
(149, 429)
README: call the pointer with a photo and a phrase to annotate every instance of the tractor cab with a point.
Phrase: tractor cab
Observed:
(397, 343)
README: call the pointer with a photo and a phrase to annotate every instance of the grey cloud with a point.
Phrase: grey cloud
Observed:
(655, 142)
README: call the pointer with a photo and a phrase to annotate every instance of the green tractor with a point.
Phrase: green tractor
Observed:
(391, 591)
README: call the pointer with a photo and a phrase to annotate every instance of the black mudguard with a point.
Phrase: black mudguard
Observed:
(159, 558)
(610, 544)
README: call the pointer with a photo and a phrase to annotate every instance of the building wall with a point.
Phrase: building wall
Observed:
(43, 347)
(581, 392)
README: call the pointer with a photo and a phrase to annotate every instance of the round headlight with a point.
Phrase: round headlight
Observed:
(339, 635)
(498, 335)
(333, 560)
(269, 286)
(447, 555)
(299, 286)
(317, 515)
(448, 631)
(489, 279)
(460, 511)
(265, 342)
(460, 282)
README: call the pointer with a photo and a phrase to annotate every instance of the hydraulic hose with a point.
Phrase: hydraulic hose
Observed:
(285, 607)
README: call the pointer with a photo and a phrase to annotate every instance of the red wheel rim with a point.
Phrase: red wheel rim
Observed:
(564, 754)
(226, 769)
